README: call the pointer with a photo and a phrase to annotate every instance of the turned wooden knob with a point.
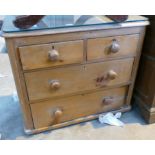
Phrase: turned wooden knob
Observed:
(57, 114)
(115, 47)
(55, 84)
(112, 75)
(53, 55)
(108, 100)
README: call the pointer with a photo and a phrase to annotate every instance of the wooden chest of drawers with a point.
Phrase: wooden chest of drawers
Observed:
(69, 75)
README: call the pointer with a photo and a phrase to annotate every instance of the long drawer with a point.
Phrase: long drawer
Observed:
(112, 47)
(56, 111)
(72, 79)
(48, 55)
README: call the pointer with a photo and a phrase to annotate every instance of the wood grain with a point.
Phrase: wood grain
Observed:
(20, 85)
(99, 48)
(76, 106)
(75, 79)
(84, 83)
(36, 56)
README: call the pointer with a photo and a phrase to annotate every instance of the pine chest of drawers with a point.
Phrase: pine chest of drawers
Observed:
(72, 74)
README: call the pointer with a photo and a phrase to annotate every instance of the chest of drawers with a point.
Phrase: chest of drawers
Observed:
(69, 75)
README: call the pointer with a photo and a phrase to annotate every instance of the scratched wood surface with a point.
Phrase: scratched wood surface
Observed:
(77, 79)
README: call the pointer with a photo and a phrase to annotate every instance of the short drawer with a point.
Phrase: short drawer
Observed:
(72, 79)
(111, 47)
(48, 55)
(61, 110)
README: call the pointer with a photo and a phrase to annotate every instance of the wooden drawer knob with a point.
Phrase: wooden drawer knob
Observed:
(57, 115)
(108, 100)
(111, 75)
(115, 47)
(55, 84)
(53, 55)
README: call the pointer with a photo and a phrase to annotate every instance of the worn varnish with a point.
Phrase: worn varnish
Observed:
(75, 79)
(111, 47)
(38, 56)
(77, 106)
(67, 76)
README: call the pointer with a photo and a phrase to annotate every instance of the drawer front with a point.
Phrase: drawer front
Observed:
(110, 47)
(57, 111)
(54, 54)
(72, 79)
